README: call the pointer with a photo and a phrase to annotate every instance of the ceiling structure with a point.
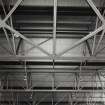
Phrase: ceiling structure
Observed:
(52, 52)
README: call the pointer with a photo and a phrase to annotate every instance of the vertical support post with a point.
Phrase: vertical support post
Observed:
(94, 40)
(75, 81)
(7, 81)
(13, 37)
(18, 46)
(13, 99)
(54, 27)
(102, 96)
(26, 75)
(54, 45)
(70, 99)
(92, 85)
(54, 35)
(89, 48)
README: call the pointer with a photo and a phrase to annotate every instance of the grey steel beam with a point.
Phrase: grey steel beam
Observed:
(96, 11)
(50, 22)
(94, 40)
(70, 99)
(20, 71)
(18, 46)
(54, 28)
(27, 40)
(42, 99)
(82, 40)
(101, 36)
(61, 99)
(100, 50)
(10, 13)
(7, 17)
(13, 37)
(7, 38)
(2, 4)
(49, 103)
(5, 31)
(54, 44)
(49, 94)
(35, 58)
(76, 3)
(49, 28)
(97, 24)
(66, 34)
(89, 35)
(16, 32)
(89, 48)
(100, 40)
(26, 74)
(3, 47)
(47, 90)
(100, 80)
(6, 58)
(28, 50)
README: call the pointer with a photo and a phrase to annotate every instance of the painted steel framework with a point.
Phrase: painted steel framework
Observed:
(54, 56)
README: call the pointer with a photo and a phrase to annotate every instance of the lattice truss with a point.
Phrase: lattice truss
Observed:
(78, 81)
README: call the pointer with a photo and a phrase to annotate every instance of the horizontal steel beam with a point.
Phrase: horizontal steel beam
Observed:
(51, 22)
(59, 88)
(48, 63)
(12, 70)
(49, 28)
(62, 3)
(44, 58)
(3, 102)
(48, 90)
(33, 34)
(42, 34)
